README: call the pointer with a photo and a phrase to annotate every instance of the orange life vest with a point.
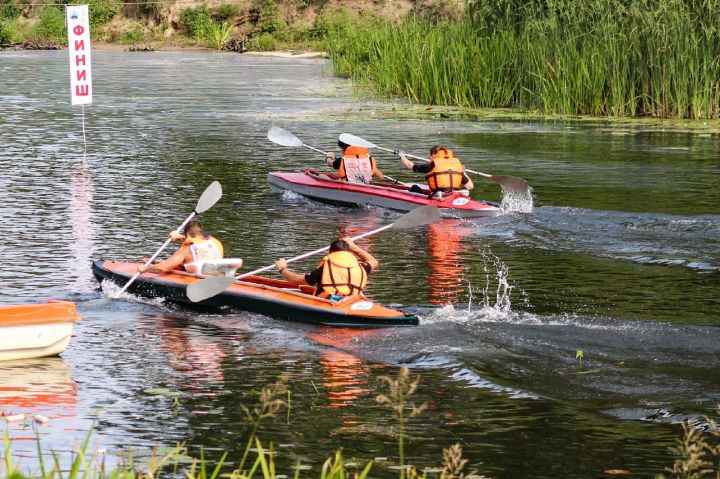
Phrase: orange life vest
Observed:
(203, 249)
(356, 165)
(342, 275)
(447, 173)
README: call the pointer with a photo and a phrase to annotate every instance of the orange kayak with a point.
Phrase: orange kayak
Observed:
(36, 330)
(262, 295)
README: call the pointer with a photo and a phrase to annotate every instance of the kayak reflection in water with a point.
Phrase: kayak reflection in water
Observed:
(343, 272)
(444, 173)
(355, 165)
(196, 246)
(447, 267)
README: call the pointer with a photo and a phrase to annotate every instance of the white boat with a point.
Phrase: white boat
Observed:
(36, 330)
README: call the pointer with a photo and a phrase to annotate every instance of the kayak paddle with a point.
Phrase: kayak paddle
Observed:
(209, 287)
(210, 196)
(509, 182)
(283, 137)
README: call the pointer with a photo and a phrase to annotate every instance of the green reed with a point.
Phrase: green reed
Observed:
(657, 58)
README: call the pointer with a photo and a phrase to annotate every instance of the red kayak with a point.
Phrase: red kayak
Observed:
(329, 189)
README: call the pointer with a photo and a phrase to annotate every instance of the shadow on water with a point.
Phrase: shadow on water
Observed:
(620, 259)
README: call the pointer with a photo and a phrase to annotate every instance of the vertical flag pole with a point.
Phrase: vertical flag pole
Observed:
(78, 30)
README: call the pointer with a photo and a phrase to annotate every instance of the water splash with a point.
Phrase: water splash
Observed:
(518, 201)
(111, 289)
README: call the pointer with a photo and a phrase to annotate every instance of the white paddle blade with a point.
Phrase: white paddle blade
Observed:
(283, 137)
(208, 287)
(511, 183)
(210, 196)
(353, 140)
(226, 266)
(423, 215)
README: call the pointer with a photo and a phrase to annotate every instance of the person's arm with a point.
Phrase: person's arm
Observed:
(289, 276)
(376, 170)
(401, 154)
(467, 182)
(173, 262)
(362, 254)
(330, 159)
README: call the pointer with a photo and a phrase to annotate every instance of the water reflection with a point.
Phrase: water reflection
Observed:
(194, 357)
(447, 270)
(37, 386)
(83, 232)
(345, 376)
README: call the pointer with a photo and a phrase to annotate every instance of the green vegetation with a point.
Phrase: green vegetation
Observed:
(132, 37)
(101, 12)
(218, 34)
(657, 58)
(51, 25)
(194, 21)
(6, 35)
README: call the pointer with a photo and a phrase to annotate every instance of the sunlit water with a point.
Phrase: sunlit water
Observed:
(620, 258)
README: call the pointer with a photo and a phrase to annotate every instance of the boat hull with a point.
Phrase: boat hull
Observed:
(259, 295)
(36, 330)
(387, 196)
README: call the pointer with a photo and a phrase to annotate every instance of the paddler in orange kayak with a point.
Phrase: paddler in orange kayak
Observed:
(444, 173)
(343, 272)
(355, 165)
(196, 246)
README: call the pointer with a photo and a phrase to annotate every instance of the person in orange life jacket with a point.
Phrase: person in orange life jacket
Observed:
(355, 165)
(343, 272)
(196, 246)
(444, 173)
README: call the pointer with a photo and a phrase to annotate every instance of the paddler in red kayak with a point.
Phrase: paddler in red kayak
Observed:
(196, 246)
(355, 165)
(343, 272)
(444, 173)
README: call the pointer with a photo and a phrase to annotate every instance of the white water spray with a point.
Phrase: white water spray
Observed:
(519, 201)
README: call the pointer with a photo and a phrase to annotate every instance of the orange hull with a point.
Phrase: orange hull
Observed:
(36, 330)
(261, 295)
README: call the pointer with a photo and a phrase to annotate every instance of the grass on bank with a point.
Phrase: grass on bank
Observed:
(272, 400)
(656, 58)
(697, 452)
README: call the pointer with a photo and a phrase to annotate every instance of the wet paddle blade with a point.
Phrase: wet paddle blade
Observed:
(511, 183)
(353, 140)
(210, 196)
(283, 137)
(208, 287)
(423, 215)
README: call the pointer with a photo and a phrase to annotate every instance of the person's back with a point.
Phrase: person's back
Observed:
(355, 165)
(343, 272)
(196, 246)
(447, 172)
(444, 172)
(342, 275)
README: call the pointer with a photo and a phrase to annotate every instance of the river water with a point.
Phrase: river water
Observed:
(619, 259)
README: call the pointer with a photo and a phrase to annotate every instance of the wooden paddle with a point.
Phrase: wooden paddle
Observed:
(210, 196)
(509, 182)
(283, 137)
(209, 287)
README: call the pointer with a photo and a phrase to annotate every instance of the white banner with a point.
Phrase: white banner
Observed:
(78, 28)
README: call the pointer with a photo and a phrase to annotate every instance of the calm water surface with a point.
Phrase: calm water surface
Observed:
(620, 259)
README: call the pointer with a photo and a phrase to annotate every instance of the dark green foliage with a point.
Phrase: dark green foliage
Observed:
(101, 12)
(5, 34)
(9, 10)
(51, 25)
(225, 11)
(194, 21)
(270, 18)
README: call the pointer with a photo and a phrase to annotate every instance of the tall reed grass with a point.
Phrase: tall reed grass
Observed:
(658, 58)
